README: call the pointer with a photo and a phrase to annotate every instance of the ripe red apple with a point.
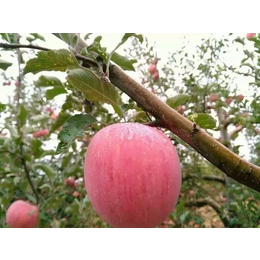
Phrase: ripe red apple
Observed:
(250, 35)
(240, 97)
(229, 100)
(191, 193)
(70, 182)
(213, 97)
(54, 116)
(156, 75)
(41, 133)
(152, 69)
(132, 175)
(50, 110)
(22, 214)
(180, 109)
(75, 194)
(17, 83)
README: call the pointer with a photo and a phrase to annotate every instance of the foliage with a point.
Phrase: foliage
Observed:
(35, 169)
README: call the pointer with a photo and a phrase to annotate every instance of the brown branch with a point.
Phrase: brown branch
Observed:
(212, 203)
(237, 130)
(17, 46)
(224, 159)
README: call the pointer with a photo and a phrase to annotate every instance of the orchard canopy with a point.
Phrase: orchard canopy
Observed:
(203, 96)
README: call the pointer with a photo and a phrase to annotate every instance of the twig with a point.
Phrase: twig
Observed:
(209, 202)
(206, 178)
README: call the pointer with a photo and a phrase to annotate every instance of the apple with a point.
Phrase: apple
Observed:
(41, 133)
(240, 97)
(75, 194)
(22, 214)
(17, 83)
(213, 97)
(191, 193)
(180, 109)
(70, 182)
(50, 110)
(156, 75)
(132, 175)
(152, 69)
(229, 100)
(250, 35)
(54, 116)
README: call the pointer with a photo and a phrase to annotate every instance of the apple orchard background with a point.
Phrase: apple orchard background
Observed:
(214, 75)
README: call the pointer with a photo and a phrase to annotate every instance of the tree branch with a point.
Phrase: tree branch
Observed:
(237, 130)
(17, 46)
(209, 202)
(227, 161)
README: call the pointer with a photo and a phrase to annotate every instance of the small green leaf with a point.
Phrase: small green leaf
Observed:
(57, 60)
(205, 121)
(51, 93)
(87, 36)
(94, 88)
(4, 64)
(72, 129)
(38, 36)
(5, 36)
(45, 168)
(47, 81)
(178, 100)
(2, 107)
(66, 37)
(128, 35)
(40, 118)
(22, 115)
(122, 61)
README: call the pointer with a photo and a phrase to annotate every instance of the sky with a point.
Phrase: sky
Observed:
(165, 44)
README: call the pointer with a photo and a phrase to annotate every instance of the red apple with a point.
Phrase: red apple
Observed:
(41, 133)
(156, 75)
(70, 182)
(250, 35)
(75, 194)
(22, 214)
(54, 116)
(240, 97)
(191, 193)
(17, 83)
(50, 110)
(180, 109)
(213, 97)
(229, 100)
(152, 69)
(132, 175)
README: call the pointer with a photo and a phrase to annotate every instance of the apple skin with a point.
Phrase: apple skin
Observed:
(250, 35)
(132, 175)
(41, 133)
(229, 100)
(213, 97)
(240, 98)
(22, 214)
(70, 182)
(152, 69)
(156, 75)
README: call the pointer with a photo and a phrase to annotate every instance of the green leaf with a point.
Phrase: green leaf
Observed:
(4, 64)
(178, 100)
(47, 81)
(2, 107)
(12, 130)
(87, 36)
(66, 37)
(5, 36)
(94, 88)
(122, 61)
(39, 118)
(128, 35)
(62, 118)
(45, 168)
(57, 60)
(203, 120)
(72, 129)
(38, 36)
(51, 93)
(22, 115)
